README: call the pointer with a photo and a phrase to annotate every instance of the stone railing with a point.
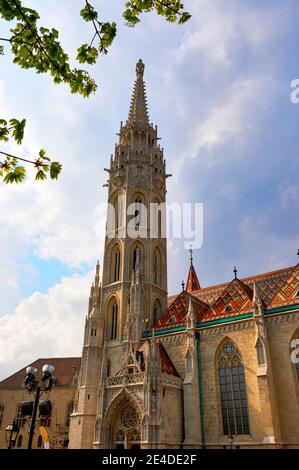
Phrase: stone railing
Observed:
(128, 379)
(172, 380)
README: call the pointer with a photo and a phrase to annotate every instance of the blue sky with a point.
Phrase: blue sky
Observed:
(219, 90)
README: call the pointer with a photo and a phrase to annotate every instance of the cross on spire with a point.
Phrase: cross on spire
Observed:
(191, 255)
(235, 272)
(183, 285)
(298, 254)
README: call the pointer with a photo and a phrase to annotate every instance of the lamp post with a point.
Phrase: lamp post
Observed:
(11, 434)
(33, 386)
(231, 440)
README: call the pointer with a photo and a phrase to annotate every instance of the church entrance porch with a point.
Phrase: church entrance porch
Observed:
(125, 425)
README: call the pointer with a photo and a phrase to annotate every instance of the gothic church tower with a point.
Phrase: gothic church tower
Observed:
(133, 293)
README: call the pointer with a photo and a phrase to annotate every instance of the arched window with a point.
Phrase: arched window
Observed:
(156, 310)
(69, 411)
(20, 440)
(232, 390)
(1, 413)
(114, 318)
(39, 441)
(157, 267)
(116, 265)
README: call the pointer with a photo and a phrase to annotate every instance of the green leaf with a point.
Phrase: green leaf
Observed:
(87, 54)
(185, 17)
(55, 170)
(15, 176)
(88, 13)
(40, 175)
(18, 129)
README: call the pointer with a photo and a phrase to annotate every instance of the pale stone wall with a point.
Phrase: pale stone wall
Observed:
(281, 330)
(286, 387)
(172, 421)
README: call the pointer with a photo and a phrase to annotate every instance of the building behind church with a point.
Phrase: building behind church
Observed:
(208, 367)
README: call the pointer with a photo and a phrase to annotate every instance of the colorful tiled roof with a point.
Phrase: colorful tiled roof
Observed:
(276, 288)
(176, 312)
(289, 293)
(65, 369)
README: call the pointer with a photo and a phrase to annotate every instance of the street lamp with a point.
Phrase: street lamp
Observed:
(11, 434)
(231, 440)
(33, 386)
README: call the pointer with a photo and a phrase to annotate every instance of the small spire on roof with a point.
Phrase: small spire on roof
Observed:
(191, 255)
(97, 276)
(192, 280)
(183, 286)
(298, 254)
(235, 272)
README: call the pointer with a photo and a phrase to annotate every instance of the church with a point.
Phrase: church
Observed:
(209, 367)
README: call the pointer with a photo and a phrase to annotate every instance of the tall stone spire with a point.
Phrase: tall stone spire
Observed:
(138, 113)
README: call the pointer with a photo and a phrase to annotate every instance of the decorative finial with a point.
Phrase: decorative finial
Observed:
(191, 255)
(183, 286)
(97, 276)
(235, 272)
(139, 69)
(298, 254)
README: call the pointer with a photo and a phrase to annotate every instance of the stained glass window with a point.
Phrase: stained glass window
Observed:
(232, 391)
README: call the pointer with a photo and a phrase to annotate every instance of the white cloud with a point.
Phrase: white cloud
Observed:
(216, 34)
(290, 196)
(235, 115)
(44, 325)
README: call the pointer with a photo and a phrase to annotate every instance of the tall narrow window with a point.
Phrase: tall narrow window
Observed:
(116, 270)
(137, 214)
(1, 413)
(156, 310)
(114, 315)
(39, 441)
(119, 211)
(233, 391)
(295, 353)
(69, 411)
(157, 267)
(20, 418)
